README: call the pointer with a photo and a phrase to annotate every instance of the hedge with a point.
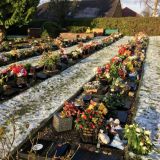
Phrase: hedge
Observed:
(128, 26)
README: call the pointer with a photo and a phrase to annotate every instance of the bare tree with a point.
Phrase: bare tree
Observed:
(152, 5)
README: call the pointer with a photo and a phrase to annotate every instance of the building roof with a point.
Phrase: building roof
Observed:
(83, 9)
(127, 12)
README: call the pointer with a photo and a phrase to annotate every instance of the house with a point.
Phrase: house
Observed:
(85, 9)
(127, 12)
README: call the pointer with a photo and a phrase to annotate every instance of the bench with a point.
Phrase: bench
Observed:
(34, 32)
(110, 31)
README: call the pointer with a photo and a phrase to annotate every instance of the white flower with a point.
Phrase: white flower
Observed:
(141, 144)
(144, 148)
(138, 130)
(112, 90)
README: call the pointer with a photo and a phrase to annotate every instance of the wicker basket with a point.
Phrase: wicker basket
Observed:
(89, 135)
(62, 124)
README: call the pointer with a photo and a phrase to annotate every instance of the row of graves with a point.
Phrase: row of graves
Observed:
(95, 124)
(17, 75)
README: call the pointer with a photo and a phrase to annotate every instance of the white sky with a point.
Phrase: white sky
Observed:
(132, 4)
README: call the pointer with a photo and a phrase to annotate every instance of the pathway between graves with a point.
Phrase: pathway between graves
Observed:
(148, 111)
(39, 102)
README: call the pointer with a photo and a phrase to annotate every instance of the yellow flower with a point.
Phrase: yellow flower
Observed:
(91, 107)
(147, 132)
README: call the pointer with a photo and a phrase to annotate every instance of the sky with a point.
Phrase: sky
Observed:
(132, 4)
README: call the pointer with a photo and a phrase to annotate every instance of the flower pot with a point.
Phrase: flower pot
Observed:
(104, 82)
(89, 135)
(133, 76)
(21, 82)
(62, 124)
(87, 98)
(51, 73)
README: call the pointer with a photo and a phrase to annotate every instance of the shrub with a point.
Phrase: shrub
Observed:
(50, 28)
(128, 26)
(77, 29)
(138, 139)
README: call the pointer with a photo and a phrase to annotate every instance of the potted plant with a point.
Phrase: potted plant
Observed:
(139, 140)
(114, 101)
(20, 74)
(88, 123)
(49, 62)
(91, 87)
(62, 121)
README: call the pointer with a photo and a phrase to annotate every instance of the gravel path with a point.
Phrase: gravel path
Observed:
(39, 102)
(148, 113)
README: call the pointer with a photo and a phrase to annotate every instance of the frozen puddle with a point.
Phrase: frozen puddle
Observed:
(39, 102)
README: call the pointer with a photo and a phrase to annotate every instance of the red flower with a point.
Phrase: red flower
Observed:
(93, 126)
(122, 50)
(84, 117)
(115, 59)
(99, 70)
(80, 126)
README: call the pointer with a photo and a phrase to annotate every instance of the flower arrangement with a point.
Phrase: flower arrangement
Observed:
(119, 86)
(18, 70)
(49, 60)
(69, 109)
(89, 119)
(138, 139)
(103, 73)
(98, 106)
(114, 100)
(91, 86)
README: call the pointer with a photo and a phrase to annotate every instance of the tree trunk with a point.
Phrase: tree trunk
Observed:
(2, 33)
(155, 12)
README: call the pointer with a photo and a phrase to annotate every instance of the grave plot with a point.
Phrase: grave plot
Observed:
(148, 103)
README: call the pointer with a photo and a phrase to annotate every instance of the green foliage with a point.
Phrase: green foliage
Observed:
(138, 139)
(50, 29)
(114, 101)
(77, 29)
(17, 12)
(128, 26)
(49, 60)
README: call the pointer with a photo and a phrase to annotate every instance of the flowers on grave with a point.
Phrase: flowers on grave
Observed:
(3, 59)
(138, 139)
(69, 109)
(15, 53)
(49, 60)
(114, 100)
(98, 106)
(119, 86)
(104, 72)
(89, 119)
(18, 70)
(91, 87)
